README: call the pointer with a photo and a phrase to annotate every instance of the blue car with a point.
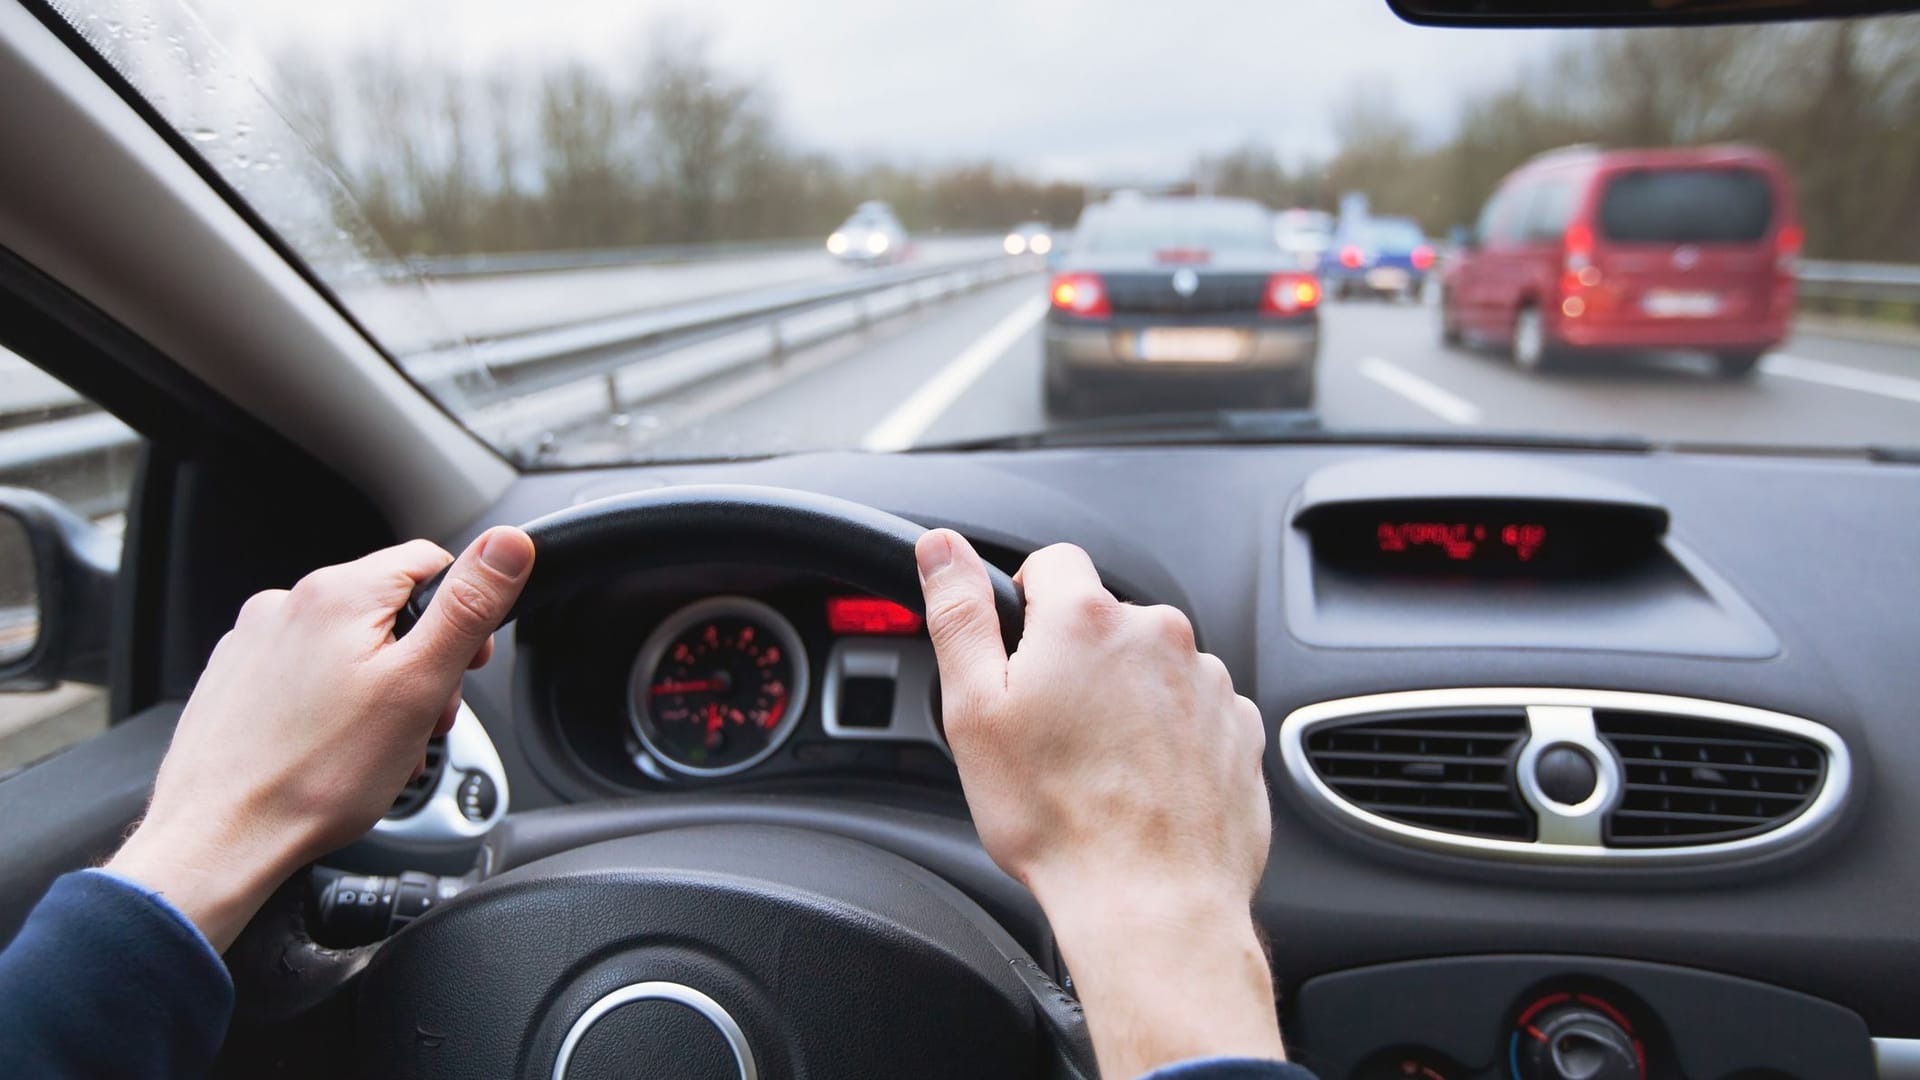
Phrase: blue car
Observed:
(1378, 256)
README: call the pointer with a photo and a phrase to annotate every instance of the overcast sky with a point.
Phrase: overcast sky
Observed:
(1077, 89)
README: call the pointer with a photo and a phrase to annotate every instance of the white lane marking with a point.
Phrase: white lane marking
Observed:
(1441, 403)
(1841, 376)
(912, 417)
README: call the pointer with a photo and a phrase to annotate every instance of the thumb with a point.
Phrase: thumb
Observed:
(477, 593)
(961, 619)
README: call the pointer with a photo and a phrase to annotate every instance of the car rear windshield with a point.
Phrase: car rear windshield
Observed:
(1687, 206)
(1401, 236)
(1162, 228)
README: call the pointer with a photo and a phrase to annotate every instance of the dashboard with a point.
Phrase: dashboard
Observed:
(1443, 864)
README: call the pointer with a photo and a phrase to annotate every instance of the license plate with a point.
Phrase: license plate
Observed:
(1191, 346)
(1664, 304)
(1387, 278)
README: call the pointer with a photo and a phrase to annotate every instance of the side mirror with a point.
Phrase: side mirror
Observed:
(1462, 238)
(56, 593)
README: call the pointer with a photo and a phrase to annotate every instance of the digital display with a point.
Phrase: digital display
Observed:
(1464, 541)
(1510, 538)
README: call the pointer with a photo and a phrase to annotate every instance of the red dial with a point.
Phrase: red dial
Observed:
(718, 688)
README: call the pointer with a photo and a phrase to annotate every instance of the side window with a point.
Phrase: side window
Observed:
(57, 444)
(1510, 223)
(1500, 222)
(1552, 209)
(1490, 213)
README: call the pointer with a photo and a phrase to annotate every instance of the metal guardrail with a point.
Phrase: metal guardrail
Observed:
(518, 387)
(1837, 282)
(537, 262)
(519, 390)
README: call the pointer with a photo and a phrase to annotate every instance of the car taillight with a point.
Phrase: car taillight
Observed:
(1290, 294)
(1788, 249)
(1579, 247)
(1081, 294)
(1422, 257)
(1351, 257)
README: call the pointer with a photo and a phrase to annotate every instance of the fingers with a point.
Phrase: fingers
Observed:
(380, 582)
(1060, 581)
(472, 600)
(961, 618)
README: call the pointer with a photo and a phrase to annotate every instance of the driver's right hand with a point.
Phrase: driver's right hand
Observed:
(1110, 767)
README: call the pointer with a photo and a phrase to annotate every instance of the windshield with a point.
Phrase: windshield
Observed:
(599, 233)
(1179, 225)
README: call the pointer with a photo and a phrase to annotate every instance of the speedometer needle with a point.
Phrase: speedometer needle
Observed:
(690, 686)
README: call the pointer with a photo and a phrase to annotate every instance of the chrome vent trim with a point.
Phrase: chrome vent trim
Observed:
(1567, 834)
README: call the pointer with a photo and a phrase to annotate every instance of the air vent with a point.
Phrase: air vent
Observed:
(1691, 781)
(420, 788)
(1557, 775)
(1447, 770)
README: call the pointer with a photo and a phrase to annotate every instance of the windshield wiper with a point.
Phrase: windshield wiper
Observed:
(1211, 426)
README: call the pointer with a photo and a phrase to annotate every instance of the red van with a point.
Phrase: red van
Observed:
(1587, 250)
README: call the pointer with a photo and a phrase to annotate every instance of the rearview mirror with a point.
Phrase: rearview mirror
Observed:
(56, 593)
(1632, 12)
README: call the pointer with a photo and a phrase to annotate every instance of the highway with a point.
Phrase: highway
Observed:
(970, 369)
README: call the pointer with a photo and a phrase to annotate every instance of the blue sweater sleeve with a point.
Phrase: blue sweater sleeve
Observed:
(106, 979)
(1230, 1069)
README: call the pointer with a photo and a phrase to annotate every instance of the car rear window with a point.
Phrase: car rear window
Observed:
(1203, 228)
(1686, 206)
(1399, 236)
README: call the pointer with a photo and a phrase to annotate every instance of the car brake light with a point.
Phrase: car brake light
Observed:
(869, 615)
(1290, 294)
(1351, 258)
(1081, 294)
(1579, 245)
(1422, 257)
(1789, 241)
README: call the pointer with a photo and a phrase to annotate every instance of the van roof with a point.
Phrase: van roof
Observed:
(1652, 157)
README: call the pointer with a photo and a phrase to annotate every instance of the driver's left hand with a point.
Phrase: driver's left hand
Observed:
(308, 720)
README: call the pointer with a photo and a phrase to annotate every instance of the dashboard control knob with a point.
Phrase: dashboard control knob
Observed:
(1566, 774)
(1576, 1042)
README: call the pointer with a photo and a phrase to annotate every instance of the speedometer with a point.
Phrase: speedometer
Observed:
(718, 686)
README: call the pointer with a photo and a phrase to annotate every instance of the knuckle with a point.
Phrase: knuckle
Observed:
(1095, 610)
(950, 613)
(1170, 625)
(470, 603)
(316, 588)
(261, 605)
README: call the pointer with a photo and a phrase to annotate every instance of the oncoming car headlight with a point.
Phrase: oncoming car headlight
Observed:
(876, 243)
(1015, 244)
(1041, 244)
(837, 244)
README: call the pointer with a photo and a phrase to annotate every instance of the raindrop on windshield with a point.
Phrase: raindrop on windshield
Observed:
(204, 135)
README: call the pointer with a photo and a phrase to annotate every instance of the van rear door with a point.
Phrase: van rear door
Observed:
(1687, 243)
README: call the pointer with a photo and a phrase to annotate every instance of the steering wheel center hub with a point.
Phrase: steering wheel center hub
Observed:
(656, 1029)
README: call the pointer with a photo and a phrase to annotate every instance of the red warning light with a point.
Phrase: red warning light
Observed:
(870, 615)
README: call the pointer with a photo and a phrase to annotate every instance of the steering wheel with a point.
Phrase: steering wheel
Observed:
(725, 946)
